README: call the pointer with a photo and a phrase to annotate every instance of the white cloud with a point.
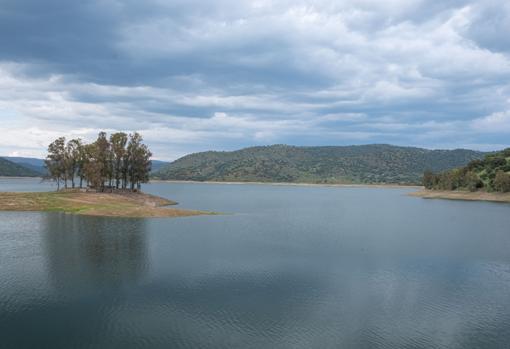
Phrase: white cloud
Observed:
(194, 76)
(498, 122)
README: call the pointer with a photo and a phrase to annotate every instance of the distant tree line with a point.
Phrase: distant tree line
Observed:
(120, 161)
(490, 174)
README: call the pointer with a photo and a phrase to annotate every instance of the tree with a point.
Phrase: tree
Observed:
(141, 165)
(102, 158)
(429, 180)
(502, 182)
(119, 158)
(72, 158)
(55, 160)
(80, 160)
(118, 143)
(472, 181)
(138, 157)
(92, 167)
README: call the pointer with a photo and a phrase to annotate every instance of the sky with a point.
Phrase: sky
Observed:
(195, 75)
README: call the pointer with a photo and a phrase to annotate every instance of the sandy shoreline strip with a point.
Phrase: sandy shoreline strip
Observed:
(462, 195)
(390, 186)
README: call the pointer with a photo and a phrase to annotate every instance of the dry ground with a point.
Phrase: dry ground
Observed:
(463, 195)
(94, 204)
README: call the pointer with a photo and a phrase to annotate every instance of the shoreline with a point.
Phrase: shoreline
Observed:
(346, 185)
(126, 205)
(462, 195)
(20, 177)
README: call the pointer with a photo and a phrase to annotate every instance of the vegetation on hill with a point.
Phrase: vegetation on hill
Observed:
(491, 174)
(376, 163)
(11, 169)
(120, 161)
(34, 164)
(157, 165)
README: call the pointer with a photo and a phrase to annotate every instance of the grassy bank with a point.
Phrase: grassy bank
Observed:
(94, 204)
(463, 195)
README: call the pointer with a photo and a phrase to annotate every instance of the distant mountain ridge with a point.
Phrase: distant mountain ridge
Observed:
(375, 163)
(34, 164)
(12, 169)
(37, 165)
(158, 164)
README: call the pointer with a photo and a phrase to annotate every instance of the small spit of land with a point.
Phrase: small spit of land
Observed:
(462, 195)
(120, 204)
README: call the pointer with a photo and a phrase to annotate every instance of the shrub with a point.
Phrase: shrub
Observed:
(502, 182)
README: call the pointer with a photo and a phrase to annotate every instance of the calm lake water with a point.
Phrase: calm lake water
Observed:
(285, 267)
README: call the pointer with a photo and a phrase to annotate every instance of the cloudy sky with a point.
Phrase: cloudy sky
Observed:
(195, 75)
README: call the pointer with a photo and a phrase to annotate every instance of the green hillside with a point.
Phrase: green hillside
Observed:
(491, 174)
(11, 169)
(34, 164)
(376, 163)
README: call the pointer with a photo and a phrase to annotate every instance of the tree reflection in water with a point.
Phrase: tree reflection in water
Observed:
(94, 254)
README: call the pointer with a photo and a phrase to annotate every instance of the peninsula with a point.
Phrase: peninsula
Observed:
(102, 178)
(126, 204)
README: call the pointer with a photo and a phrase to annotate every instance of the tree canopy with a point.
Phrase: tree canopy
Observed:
(491, 174)
(120, 161)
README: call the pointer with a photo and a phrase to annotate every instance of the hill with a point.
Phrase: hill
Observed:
(11, 169)
(377, 163)
(158, 165)
(490, 174)
(37, 165)
(34, 164)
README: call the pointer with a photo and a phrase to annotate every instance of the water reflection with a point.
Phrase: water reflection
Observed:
(293, 267)
(93, 253)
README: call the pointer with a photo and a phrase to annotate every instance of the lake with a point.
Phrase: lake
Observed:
(283, 267)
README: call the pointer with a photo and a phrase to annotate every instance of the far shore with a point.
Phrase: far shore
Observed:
(19, 177)
(346, 185)
(462, 195)
(301, 184)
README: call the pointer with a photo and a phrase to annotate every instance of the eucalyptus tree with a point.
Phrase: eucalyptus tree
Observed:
(119, 159)
(118, 143)
(102, 157)
(92, 167)
(55, 160)
(72, 159)
(139, 161)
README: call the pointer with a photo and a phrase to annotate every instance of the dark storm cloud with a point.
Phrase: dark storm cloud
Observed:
(194, 75)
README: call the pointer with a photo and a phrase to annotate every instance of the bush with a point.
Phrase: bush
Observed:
(472, 182)
(502, 182)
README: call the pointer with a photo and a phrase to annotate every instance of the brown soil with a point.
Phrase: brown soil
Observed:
(95, 204)
(463, 195)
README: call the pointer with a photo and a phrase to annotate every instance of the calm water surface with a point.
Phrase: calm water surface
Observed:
(286, 267)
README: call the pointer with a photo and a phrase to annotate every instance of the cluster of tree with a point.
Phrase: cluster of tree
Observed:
(491, 174)
(121, 162)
